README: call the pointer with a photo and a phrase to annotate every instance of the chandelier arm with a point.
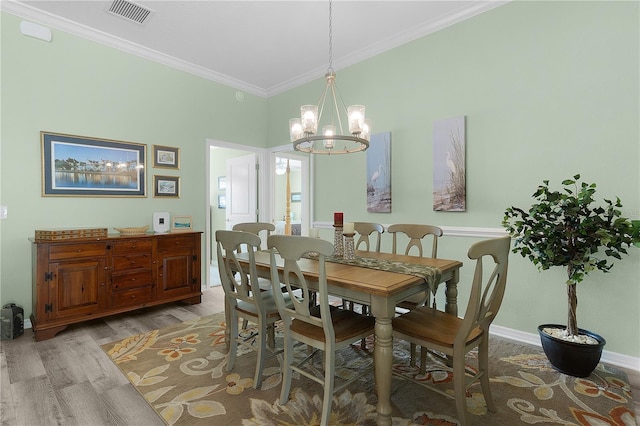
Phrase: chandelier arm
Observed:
(335, 106)
(321, 102)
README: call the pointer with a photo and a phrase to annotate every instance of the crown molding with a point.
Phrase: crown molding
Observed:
(27, 12)
(409, 35)
(24, 11)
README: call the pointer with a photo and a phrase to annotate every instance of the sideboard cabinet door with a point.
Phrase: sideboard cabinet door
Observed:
(178, 265)
(78, 287)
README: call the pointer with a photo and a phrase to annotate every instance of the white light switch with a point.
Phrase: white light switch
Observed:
(3, 212)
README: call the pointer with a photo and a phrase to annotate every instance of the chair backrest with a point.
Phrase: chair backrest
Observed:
(291, 249)
(487, 289)
(364, 230)
(261, 229)
(416, 233)
(238, 282)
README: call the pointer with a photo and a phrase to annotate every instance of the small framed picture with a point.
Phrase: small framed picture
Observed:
(166, 156)
(181, 223)
(222, 201)
(222, 183)
(166, 186)
(296, 197)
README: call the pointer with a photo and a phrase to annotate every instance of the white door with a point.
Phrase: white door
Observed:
(242, 193)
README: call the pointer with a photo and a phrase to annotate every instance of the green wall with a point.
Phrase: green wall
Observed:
(549, 89)
(79, 87)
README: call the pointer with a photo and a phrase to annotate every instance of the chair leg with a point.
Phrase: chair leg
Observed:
(329, 380)
(423, 360)
(271, 332)
(459, 389)
(483, 363)
(233, 336)
(412, 355)
(286, 369)
(262, 344)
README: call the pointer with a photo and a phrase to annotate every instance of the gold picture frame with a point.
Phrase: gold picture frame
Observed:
(167, 157)
(166, 186)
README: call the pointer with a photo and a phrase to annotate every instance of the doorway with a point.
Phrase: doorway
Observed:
(219, 188)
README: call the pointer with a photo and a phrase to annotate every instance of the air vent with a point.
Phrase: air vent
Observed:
(130, 11)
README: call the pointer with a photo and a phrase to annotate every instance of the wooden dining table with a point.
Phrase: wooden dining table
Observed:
(381, 290)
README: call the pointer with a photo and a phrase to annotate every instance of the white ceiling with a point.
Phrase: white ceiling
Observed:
(262, 47)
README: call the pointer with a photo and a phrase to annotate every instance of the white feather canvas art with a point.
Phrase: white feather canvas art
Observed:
(449, 170)
(379, 173)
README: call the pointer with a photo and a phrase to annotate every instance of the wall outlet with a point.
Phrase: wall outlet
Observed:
(3, 212)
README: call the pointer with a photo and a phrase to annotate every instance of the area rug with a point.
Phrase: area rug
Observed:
(181, 372)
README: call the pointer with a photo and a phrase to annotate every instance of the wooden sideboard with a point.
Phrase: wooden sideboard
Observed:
(80, 280)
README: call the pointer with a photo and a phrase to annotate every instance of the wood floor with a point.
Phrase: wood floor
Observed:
(68, 380)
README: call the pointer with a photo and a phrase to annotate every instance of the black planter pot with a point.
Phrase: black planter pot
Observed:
(574, 359)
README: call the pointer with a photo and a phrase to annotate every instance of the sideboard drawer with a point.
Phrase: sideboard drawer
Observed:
(173, 242)
(132, 297)
(74, 251)
(132, 261)
(131, 280)
(126, 246)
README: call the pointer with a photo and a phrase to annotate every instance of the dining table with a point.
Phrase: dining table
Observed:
(381, 289)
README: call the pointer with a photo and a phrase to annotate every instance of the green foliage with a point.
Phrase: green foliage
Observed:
(568, 228)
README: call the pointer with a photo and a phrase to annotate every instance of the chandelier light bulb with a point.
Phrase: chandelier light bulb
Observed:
(328, 131)
(309, 117)
(356, 119)
(295, 129)
(366, 130)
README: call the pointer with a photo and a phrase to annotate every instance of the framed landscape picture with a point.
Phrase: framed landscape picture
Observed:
(83, 166)
(166, 186)
(166, 156)
(181, 223)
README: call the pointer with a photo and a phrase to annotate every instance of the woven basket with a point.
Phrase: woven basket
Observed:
(133, 230)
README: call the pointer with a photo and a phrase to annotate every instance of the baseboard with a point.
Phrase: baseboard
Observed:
(614, 358)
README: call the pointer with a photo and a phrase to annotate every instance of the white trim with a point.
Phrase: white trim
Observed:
(26, 11)
(448, 231)
(614, 358)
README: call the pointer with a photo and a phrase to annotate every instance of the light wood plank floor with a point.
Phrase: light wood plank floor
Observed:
(68, 380)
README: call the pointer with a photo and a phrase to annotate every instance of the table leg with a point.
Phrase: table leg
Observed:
(383, 360)
(451, 293)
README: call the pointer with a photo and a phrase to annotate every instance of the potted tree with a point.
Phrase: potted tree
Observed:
(568, 228)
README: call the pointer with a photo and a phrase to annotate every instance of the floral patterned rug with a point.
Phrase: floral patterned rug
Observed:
(181, 372)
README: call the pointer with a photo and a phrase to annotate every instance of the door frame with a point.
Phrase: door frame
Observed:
(264, 192)
(285, 151)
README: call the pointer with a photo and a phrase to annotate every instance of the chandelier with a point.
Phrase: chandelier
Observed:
(331, 139)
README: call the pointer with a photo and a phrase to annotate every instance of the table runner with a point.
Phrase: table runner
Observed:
(430, 274)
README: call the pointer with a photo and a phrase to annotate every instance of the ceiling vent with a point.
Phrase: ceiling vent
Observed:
(129, 11)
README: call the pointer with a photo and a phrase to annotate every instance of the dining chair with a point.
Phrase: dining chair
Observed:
(319, 326)
(364, 230)
(261, 229)
(454, 336)
(417, 235)
(244, 299)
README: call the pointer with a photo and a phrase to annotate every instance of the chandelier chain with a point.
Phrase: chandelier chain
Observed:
(330, 69)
